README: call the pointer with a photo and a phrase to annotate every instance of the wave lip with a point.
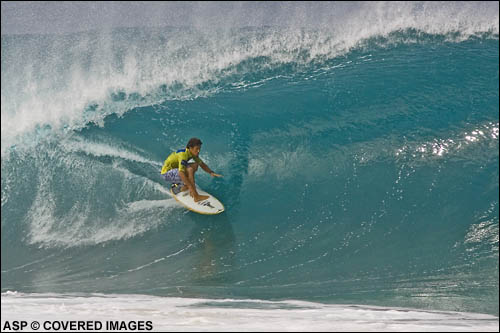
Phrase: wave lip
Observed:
(70, 80)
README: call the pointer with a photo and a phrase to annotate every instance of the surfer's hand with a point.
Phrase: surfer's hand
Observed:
(213, 174)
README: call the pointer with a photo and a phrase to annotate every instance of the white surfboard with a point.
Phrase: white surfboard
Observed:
(208, 206)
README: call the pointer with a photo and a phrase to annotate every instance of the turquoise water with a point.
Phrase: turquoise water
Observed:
(358, 169)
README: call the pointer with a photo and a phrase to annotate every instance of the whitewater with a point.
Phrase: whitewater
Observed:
(358, 144)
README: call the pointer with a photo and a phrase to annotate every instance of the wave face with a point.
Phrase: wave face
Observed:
(360, 159)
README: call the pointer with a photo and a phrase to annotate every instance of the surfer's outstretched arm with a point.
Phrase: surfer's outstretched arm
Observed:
(208, 170)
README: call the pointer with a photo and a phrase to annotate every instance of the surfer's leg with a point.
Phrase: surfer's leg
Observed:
(191, 170)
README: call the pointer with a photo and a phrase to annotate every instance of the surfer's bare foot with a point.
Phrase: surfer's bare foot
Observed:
(200, 198)
(184, 188)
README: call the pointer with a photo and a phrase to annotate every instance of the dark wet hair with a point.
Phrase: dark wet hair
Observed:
(193, 142)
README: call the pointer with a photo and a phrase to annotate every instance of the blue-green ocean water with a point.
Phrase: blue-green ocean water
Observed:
(359, 169)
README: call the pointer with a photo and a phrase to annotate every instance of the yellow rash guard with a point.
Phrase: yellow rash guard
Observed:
(179, 159)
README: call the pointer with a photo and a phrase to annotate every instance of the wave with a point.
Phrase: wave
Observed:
(65, 82)
(360, 160)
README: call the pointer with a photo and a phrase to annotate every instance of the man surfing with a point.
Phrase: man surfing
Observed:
(179, 169)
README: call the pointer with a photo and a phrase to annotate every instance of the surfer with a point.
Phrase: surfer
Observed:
(179, 169)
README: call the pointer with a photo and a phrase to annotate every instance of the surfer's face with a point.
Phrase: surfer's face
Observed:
(195, 150)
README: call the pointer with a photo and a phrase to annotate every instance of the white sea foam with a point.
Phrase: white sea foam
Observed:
(75, 228)
(79, 227)
(102, 149)
(188, 314)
